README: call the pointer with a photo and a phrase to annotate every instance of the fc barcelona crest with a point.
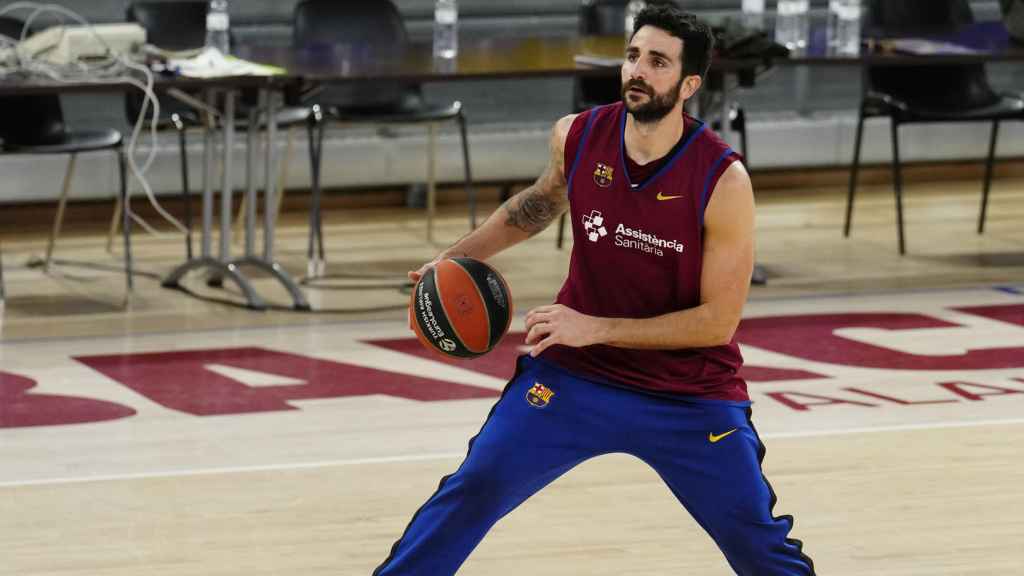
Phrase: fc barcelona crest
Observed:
(603, 175)
(539, 395)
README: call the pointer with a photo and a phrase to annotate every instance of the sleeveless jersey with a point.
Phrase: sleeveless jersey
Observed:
(637, 253)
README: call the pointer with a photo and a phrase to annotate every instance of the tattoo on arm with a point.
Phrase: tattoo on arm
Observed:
(534, 208)
(531, 210)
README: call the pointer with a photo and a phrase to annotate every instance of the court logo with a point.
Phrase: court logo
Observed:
(603, 174)
(593, 226)
(539, 395)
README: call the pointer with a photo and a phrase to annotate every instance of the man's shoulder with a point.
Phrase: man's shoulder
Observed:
(574, 125)
(563, 126)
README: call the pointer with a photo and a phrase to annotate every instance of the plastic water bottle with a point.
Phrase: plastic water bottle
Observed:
(843, 30)
(753, 14)
(632, 10)
(792, 25)
(446, 29)
(218, 26)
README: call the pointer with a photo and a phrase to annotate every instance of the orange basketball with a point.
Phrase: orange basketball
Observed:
(461, 307)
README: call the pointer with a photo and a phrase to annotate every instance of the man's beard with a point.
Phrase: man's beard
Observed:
(657, 106)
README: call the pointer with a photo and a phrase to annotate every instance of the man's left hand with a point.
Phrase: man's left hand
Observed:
(559, 324)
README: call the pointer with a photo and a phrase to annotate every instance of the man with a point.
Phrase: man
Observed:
(637, 354)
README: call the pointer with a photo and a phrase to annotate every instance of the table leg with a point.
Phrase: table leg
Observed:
(208, 178)
(227, 182)
(269, 177)
(266, 263)
(250, 180)
(220, 267)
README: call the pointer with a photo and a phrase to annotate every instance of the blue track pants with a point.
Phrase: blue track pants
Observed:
(548, 421)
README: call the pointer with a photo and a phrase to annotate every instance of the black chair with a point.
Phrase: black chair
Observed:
(35, 125)
(180, 25)
(372, 30)
(1013, 17)
(945, 93)
(607, 18)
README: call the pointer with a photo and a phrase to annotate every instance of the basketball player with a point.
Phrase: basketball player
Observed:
(637, 354)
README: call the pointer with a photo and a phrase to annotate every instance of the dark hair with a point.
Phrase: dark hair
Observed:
(698, 41)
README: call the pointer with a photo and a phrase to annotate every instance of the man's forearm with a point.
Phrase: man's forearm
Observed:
(699, 327)
(519, 218)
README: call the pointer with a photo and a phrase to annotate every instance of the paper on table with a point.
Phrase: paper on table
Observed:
(211, 63)
(925, 47)
(591, 60)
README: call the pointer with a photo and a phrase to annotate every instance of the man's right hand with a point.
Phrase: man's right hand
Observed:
(415, 275)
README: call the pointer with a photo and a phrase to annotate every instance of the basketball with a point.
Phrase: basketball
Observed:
(461, 308)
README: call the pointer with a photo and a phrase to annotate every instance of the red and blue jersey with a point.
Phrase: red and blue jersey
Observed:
(637, 253)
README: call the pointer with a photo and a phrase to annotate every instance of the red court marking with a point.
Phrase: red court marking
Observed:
(812, 337)
(802, 401)
(501, 361)
(1012, 314)
(180, 380)
(20, 409)
(954, 392)
(976, 392)
(900, 401)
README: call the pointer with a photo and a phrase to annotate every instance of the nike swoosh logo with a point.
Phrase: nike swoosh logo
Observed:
(712, 437)
(663, 197)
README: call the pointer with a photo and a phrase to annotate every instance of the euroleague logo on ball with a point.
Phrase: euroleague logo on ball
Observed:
(461, 308)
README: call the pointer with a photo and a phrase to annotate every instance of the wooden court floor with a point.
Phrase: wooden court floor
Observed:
(186, 435)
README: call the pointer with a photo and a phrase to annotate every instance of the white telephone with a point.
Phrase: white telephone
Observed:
(66, 44)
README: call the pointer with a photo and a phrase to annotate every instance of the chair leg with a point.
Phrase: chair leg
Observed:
(989, 164)
(470, 191)
(315, 130)
(186, 192)
(314, 189)
(282, 183)
(115, 221)
(58, 220)
(319, 206)
(238, 224)
(431, 179)
(897, 181)
(561, 231)
(2, 295)
(126, 228)
(739, 124)
(854, 169)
